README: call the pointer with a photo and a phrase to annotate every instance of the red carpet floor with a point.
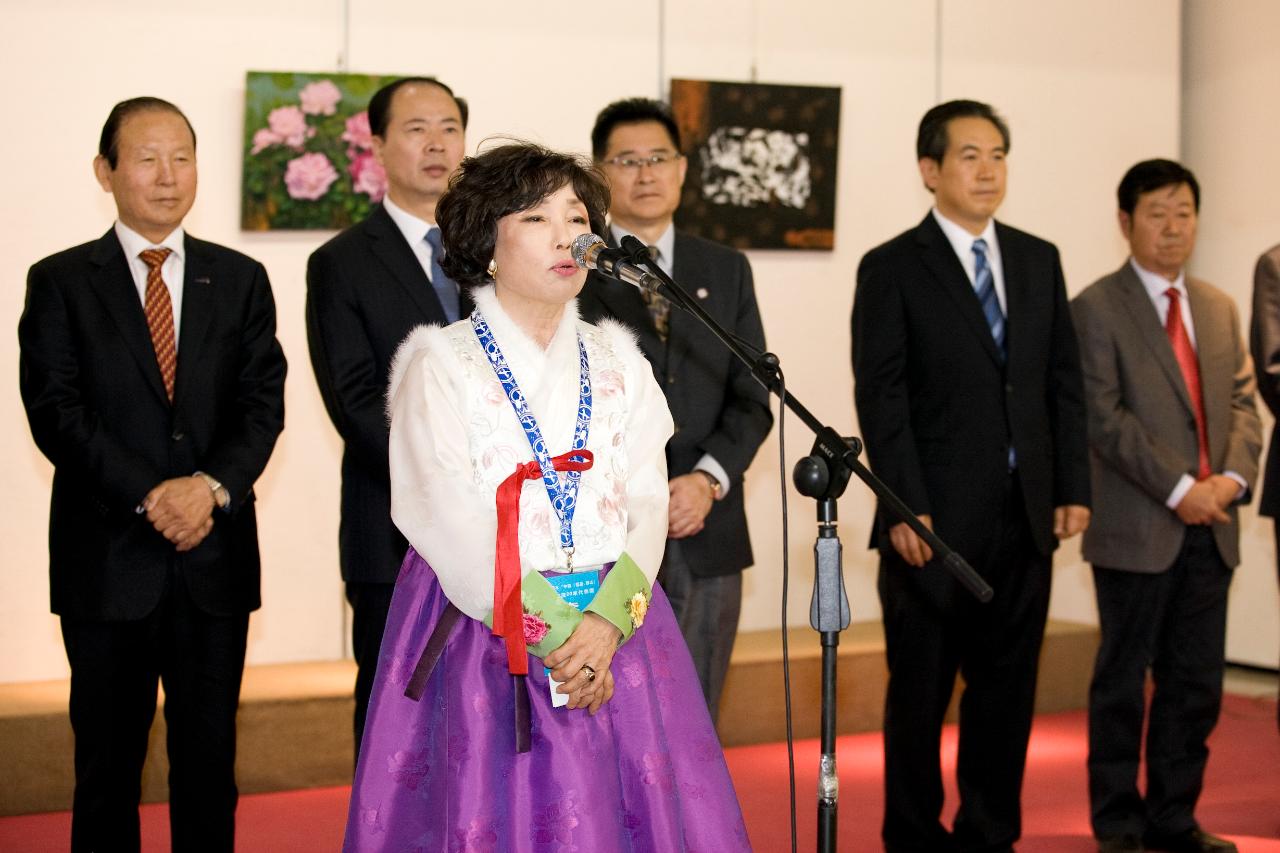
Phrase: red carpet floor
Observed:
(1241, 798)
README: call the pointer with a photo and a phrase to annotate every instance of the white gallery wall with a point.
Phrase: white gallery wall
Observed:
(1231, 75)
(1088, 87)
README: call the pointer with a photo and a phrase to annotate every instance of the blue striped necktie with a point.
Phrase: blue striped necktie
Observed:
(985, 285)
(446, 289)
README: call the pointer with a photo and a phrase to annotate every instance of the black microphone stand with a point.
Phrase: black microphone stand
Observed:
(823, 476)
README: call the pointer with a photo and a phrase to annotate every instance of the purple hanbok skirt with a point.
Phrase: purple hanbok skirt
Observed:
(646, 773)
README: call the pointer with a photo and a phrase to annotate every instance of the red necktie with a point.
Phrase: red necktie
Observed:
(159, 311)
(1185, 353)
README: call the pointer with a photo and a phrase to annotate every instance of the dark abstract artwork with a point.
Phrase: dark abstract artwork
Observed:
(762, 163)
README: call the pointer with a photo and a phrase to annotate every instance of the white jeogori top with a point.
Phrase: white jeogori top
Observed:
(455, 439)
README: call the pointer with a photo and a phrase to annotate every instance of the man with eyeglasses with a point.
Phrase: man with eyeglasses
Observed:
(721, 413)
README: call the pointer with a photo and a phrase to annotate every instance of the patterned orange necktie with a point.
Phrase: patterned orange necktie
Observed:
(1185, 353)
(159, 311)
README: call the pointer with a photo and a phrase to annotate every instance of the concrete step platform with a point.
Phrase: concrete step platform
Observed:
(295, 719)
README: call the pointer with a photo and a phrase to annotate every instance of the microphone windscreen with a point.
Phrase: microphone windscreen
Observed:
(582, 245)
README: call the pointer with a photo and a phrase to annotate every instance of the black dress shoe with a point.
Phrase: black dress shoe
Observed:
(1191, 841)
(1120, 844)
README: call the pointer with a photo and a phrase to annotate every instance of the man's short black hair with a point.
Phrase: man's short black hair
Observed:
(501, 181)
(631, 111)
(380, 103)
(1150, 175)
(109, 142)
(932, 139)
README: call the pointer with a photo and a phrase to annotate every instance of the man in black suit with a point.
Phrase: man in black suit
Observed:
(721, 413)
(366, 289)
(969, 395)
(153, 381)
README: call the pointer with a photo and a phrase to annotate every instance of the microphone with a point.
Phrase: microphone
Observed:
(592, 253)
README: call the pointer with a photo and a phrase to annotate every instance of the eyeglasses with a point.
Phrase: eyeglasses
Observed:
(653, 161)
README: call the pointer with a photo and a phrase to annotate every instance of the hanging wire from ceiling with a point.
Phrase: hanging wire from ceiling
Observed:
(662, 47)
(937, 51)
(755, 41)
(344, 35)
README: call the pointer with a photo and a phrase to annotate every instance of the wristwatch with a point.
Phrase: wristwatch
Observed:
(221, 496)
(716, 488)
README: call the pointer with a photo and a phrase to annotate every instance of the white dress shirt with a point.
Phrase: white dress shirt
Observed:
(414, 230)
(172, 271)
(962, 244)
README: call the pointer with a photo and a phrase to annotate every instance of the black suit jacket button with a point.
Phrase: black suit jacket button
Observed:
(178, 435)
(671, 380)
(1191, 424)
(1008, 387)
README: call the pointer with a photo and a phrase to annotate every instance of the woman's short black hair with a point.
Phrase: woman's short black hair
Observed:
(504, 180)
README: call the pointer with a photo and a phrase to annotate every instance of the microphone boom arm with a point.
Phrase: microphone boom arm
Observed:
(840, 455)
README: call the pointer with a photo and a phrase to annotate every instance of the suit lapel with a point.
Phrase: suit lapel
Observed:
(691, 273)
(389, 246)
(1146, 322)
(198, 285)
(950, 276)
(1215, 361)
(1015, 289)
(114, 286)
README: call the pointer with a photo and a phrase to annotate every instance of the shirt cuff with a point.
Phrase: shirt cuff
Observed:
(548, 620)
(624, 597)
(1179, 491)
(709, 464)
(1244, 487)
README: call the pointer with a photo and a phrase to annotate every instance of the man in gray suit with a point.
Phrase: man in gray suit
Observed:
(721, 413)
(1264, 343)
(1175, 436)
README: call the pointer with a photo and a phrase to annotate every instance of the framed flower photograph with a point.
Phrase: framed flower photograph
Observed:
(308, 151)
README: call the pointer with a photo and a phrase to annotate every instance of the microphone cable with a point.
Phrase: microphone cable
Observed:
(786, 586)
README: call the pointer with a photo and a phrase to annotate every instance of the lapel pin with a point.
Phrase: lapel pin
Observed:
(702, 293)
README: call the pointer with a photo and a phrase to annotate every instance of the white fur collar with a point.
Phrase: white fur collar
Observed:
(521, 351)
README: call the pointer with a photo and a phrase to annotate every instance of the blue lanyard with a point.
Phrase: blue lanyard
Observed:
(563, 493)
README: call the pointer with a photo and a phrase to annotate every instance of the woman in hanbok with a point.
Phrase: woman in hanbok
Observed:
(533, 690)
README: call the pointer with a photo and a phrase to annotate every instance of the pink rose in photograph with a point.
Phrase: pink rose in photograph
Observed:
(320, 98)
(534, 629)
(264, 138)
(290, 125)
(357, 134)
(309, 176)
(368, 176)
(309, 159)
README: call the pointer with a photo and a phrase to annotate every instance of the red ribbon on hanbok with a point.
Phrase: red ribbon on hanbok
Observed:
(508, 611)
